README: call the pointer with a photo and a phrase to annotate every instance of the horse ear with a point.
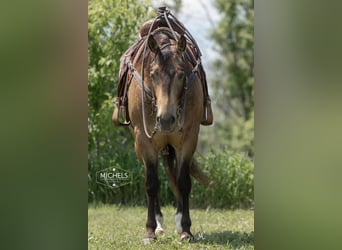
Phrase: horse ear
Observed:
(152, 44)
(181, 44)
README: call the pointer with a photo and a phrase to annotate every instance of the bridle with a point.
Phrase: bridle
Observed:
(150, 93)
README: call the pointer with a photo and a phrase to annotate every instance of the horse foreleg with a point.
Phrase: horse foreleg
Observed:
(159, 218)
(152, 187)
(184, 186)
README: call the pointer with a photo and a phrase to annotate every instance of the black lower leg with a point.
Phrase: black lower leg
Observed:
(184, 184)
(152, 186)
(157, 207)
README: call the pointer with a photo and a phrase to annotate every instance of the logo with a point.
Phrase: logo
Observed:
(113, 177)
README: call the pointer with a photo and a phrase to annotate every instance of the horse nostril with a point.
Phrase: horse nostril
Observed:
(166, 122)
(173, 119)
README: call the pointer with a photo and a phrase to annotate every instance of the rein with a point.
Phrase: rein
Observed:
(143, 88)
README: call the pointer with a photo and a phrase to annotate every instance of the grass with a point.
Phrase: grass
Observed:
(116, 227)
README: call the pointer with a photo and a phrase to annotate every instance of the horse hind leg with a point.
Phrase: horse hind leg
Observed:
(169, 160)
(169, 157)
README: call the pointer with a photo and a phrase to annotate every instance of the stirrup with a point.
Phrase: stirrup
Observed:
(208, 117)
(120, 109)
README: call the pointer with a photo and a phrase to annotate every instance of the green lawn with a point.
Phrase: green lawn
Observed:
(115, 227)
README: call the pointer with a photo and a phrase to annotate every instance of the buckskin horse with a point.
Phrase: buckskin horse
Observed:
(166, 105)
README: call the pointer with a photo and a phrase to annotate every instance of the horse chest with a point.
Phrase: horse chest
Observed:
(160, 141)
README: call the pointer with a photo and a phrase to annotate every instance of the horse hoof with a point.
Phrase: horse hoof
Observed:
(186, 237)
(159, 231)
(148, 241)
(149, 238)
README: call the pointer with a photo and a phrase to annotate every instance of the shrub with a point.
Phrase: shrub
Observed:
(232, 176)
(231, 173)
(112, 27)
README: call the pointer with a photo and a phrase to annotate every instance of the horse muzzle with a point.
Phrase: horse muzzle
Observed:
(166, 123)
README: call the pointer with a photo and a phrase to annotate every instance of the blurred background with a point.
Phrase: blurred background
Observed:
(224, 33)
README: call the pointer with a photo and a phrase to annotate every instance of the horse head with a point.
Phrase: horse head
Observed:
(168, 77)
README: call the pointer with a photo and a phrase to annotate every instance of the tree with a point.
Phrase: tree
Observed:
(234, 36)
(113, 26)
(233, 84)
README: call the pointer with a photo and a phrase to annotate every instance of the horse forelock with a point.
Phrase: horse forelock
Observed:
(162, 58)
(165, 54)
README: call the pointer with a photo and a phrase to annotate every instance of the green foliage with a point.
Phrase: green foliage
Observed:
(242, 134)
(113, 26)
(234, 37)
(233, 83)
(232, 176)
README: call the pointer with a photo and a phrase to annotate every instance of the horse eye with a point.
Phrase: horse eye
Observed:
(181, 75)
